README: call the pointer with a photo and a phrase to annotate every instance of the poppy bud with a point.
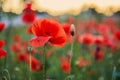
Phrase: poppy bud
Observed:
(72, 29)
(29, 49)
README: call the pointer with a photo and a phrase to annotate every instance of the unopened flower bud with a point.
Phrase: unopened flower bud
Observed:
(72, 29)
(29, 48)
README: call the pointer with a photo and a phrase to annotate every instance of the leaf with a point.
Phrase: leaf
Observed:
(39, 41)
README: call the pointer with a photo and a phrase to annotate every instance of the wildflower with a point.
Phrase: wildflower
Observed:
(2, 26)
(98, 39)
(86, 39)
(98, 54)
(28, 15)
(81, 62)
(65, 66)
(117, 34)
(47, 30)
(2, 52)
(35, 64)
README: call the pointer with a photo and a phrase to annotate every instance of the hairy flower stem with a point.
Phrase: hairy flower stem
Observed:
(70, 61)
(30, 67)
(44, 63)
(71, 58)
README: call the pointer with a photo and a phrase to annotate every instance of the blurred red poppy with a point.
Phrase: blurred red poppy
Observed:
(2, 26)
(28, 17)
(81, 62)
(98, 39)
(66, 28)
(16, 38)
(35, 64)
(48, 30)
(117, 34)
(22, 57)
(2, 43)
(29, 30)
(99, 56)
(65, 66)
(86, 38)
(103, 29)
(2, 53)
(28, 14)
(109, 42)
(16, 47)
(28, 7)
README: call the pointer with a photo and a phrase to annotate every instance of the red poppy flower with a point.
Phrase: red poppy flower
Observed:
(2, 53)
(28, 14)
(16, 47)
(109, 42)
(2, 25)
(98, 39)
(29, 30)
(35, 64)
(103, 29)
(110, 23)
(28, 17)
(117, 34)
(65, 66)
(66, 28)
(47, 30)
(16, 38)
(2, 43)
(99, 56)
(28, 7)
(82, 62)
(86, 38)
(22, 57)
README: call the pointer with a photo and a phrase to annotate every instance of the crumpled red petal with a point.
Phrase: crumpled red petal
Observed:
(39, 41)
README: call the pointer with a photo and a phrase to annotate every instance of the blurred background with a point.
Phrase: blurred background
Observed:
(94, 47)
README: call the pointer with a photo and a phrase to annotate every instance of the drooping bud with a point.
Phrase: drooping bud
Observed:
(72, 29)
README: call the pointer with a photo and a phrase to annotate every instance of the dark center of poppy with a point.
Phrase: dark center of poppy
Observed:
(47, 33)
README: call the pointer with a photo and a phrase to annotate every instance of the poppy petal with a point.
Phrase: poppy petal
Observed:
(36, 28)
(58, 41)
(49, 27)
(39, 41)
(2, 43)
(2, 53)
(60, 38)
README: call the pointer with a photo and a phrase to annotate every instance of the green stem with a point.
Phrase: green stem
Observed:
(114, 71)
(44, 63)
(6, 71)
(30, 67)
(71, 57)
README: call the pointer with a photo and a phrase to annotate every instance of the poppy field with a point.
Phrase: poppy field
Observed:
(37, 46)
